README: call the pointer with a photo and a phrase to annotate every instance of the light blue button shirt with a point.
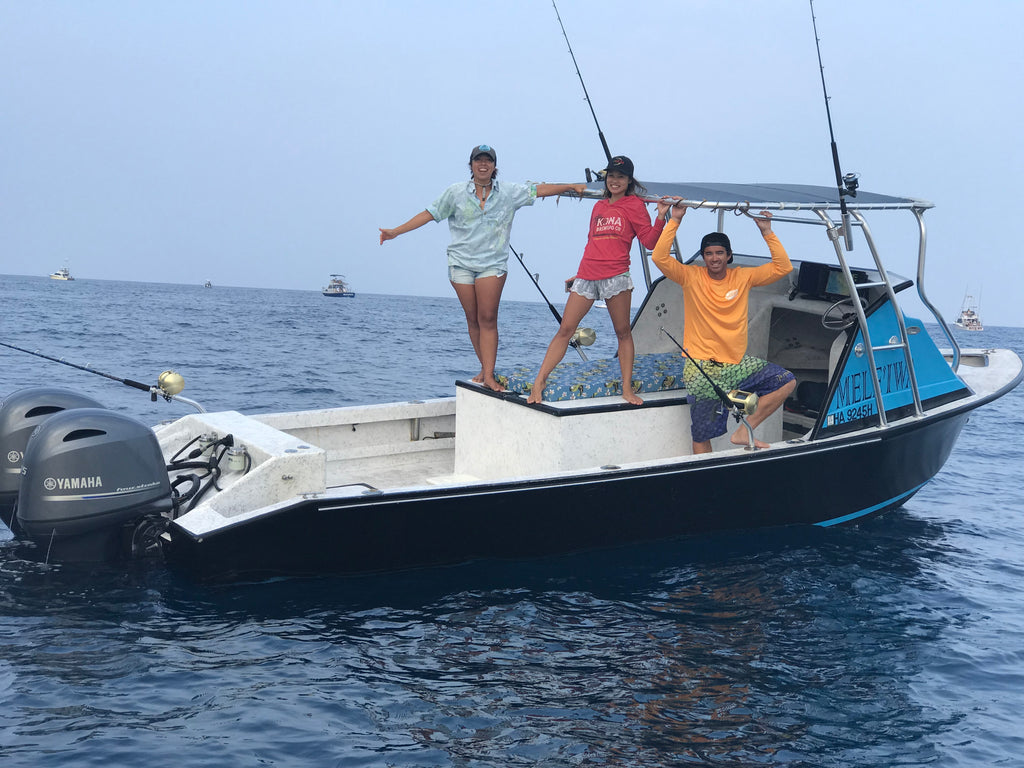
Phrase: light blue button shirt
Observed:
(480, 236)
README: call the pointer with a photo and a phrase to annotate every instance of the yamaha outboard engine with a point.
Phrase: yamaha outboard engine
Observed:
(20, 413)
(94, 484)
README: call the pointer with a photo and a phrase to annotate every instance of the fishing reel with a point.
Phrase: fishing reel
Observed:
(170, 383)
(745, 402)
(850, 183)
(583, 337)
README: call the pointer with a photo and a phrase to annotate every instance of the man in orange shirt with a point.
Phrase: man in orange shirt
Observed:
(715, 300)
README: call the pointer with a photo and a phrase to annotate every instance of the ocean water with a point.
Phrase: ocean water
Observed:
(893, 643)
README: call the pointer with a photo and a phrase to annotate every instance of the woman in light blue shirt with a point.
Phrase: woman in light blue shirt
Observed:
(479, 214)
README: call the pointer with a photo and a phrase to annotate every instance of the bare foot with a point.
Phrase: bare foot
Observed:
(632, 398)
(492, 384)
(739, 437)
(479, 378)
(537, 393)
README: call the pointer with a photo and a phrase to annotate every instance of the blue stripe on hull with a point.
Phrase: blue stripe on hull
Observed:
(893, 502)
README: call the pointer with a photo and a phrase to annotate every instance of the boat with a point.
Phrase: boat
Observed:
(207, 284)
(64, 273)
(483, 474)
(969, 319)
(338, 287)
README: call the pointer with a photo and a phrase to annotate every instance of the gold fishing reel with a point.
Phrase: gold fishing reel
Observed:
(745, 401)
(584, 337)
(170, 382)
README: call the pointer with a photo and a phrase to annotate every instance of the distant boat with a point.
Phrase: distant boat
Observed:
(968, 318)
(339, 288)
(207, 284)
(62, 274)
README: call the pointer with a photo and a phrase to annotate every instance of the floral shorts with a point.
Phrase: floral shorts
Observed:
(708, 416)
(602, 289)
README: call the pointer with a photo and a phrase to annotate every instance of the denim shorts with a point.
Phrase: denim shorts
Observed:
(465, 276)
(602, 289)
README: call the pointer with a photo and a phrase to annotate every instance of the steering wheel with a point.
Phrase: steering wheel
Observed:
(843, 322)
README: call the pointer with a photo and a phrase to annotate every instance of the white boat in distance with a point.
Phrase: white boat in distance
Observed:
(64, 273)
(338, 288)
(483, 474)
(969, 319)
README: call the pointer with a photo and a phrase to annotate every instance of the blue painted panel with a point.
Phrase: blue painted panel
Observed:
(854, 398)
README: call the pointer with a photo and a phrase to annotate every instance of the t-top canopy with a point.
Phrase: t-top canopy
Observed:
(714, 195)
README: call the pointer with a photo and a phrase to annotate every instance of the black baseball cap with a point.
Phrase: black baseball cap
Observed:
(620, 164)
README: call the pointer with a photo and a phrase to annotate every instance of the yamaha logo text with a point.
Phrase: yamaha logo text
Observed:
(72, 483)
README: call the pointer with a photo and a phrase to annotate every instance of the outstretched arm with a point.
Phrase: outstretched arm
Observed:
(415, 222)
(547, 190)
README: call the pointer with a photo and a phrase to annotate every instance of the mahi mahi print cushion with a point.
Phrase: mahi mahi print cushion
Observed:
(576, 380)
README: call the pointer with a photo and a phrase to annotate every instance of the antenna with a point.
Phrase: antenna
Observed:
(600, 135)
(847, 185)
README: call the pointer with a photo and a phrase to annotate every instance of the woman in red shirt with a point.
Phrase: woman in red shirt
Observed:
(604, 271)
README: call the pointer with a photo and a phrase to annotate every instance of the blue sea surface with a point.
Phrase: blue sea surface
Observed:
(896, 642)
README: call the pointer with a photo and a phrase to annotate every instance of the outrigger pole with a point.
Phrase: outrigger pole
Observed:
(169, 384)
(741, 404)
(847, 185)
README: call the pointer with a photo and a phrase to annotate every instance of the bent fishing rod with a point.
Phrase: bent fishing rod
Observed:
(741, 404)
(583, 336)
(168, 385)
(846, 184)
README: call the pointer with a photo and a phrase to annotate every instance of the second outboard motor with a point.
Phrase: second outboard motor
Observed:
(94, 481)
(20, 413)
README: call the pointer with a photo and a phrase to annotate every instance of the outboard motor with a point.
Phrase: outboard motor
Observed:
(20, 413)
(94, 484)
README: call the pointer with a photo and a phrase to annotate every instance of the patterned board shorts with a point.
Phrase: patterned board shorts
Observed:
(751, 374)
(602, 289)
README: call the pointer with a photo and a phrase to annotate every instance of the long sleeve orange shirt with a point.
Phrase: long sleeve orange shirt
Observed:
(716, 310)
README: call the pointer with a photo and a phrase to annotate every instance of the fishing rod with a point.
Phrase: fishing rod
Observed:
(600, 134)
(741, 404)
(583, 337)
(847, 185)
(168, 385)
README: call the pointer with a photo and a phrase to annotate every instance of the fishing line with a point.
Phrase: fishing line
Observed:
(847, 185)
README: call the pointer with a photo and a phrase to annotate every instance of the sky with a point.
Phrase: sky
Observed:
(262, 143)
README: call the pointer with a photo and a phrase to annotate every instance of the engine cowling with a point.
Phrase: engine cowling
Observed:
(20, 413)
(92, 479)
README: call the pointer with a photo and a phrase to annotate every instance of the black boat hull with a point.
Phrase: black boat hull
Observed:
(826, 483)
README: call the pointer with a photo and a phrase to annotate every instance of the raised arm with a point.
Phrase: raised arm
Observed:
(662, 254)
(415, 222)
(646, 232)
(781, 265)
